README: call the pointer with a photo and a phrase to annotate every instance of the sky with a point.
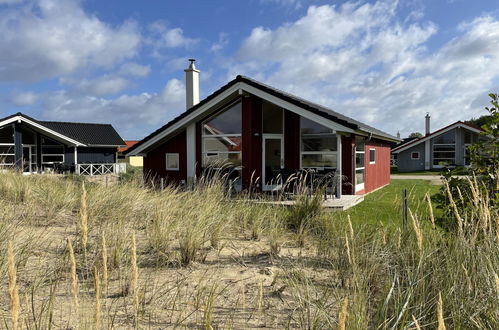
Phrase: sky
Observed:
(386, 63)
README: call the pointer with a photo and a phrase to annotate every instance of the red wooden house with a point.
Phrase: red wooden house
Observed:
(263, 131)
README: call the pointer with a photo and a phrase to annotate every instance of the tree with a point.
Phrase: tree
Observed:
(485, 165)
(482, 120)
(485, 153)
(415, 135)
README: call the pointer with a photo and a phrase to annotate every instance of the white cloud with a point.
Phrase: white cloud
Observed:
(135, 69)
(223, 40)
(294, 4)
(51, 38)
(361, 60)
(164, 37)
(9, 2)
(24, 98)
(104, 85)
(134, 116)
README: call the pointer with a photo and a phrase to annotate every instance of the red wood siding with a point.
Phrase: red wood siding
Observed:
(155, 160)
(291, 140)
(378, 174)
(347, 164)
(251, 139)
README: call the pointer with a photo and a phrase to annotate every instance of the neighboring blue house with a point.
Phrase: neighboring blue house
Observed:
(50, 146)
(447, 147)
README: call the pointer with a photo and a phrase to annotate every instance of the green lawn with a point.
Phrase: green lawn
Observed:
(385, 205)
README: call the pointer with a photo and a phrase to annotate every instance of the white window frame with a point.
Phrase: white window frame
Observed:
(3, 155)
(206, 153)
(265, 137)
(360, 186)
(443, 144)
(322, 153)
(372, 162)
(172, 154)
(440, 158)
(415, 152)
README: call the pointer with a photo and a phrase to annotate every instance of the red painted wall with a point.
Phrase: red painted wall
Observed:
(347, 164)
(378, 174)
(155, 160)
(251, 140)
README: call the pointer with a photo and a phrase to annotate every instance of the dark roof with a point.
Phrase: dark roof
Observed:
(394, 145)
(86, 133)
(414, 142)
(318, 109)
(302, 103)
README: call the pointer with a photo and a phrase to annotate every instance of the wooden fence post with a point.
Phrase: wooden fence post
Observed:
(404, 207)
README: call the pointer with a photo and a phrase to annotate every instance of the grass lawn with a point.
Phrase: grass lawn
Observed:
(385, 205)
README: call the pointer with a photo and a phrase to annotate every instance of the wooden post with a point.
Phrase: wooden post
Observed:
(404, 207)
(162, 184)
(18, 147)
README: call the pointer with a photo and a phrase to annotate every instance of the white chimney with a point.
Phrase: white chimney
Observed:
(191, 85)
(427, 124)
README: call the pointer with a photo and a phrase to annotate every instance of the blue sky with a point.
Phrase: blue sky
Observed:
(383, 62)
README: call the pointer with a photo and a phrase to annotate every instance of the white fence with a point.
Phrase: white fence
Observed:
(100, 169)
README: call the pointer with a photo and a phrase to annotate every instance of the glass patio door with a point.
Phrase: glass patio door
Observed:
(272, 161)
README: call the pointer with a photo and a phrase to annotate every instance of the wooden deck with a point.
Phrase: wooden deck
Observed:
(330, 204)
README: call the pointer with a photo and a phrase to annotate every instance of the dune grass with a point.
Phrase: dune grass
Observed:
(126, 256)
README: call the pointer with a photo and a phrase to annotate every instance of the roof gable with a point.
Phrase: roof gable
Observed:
(441, 131)
(80, 134)
(288, 101)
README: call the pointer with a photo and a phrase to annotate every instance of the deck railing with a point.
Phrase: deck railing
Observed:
(100, 169)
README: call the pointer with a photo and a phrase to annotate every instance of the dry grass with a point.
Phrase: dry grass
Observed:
(148, 259)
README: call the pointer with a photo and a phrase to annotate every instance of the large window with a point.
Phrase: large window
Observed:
(7, 157)
(7, 134)
(222, 138)
(360, 164)
(52, 153)
(319, 146)
(444, 149)
(272, 119)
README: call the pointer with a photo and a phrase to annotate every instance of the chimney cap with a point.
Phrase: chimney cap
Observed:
(192, 66)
